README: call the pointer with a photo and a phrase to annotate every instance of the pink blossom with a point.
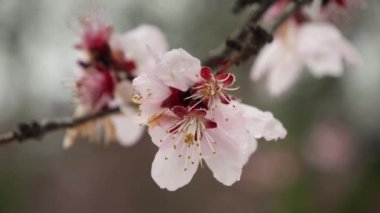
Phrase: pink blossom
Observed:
(110, 63)
(194, 121)
(94, 96)
(319, 46)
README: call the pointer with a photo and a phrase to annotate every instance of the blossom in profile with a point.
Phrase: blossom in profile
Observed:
(302, 43)
(194, 121)
(110, 63)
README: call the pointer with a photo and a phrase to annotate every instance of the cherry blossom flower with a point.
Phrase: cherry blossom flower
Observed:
(296, 46)
(305, 40)
(194, 121)
(110, 62)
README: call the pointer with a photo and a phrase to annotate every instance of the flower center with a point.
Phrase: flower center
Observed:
(189, 134)
(213, 89)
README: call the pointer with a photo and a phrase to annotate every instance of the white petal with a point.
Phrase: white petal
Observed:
(279, 61)
(227, 117)
(350, 55)
(152, 92)
(178, 69)
(168, 170)
(324, 54)
(128, 131)
(139, 43)
(159, 134)
(266, 59)
(284, 74)
(232, 153)
(123, 94)
(151, 36)
(262, 124)
(150, 88)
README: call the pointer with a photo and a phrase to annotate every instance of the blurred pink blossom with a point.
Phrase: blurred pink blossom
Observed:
(319, 46)
(330, 147)
(109, 64)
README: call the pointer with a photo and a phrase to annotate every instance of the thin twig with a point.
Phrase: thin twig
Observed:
(251, 38)
(36, 130)
(244, 42)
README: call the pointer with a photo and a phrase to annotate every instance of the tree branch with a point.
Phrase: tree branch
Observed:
(240, 5)
(251, 38)
(246, 41)
(36, 130)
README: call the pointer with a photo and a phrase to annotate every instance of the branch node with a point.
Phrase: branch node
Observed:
(28, 130)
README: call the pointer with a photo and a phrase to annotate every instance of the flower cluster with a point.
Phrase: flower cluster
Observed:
(306, 39)
(109, 64)
(188, 108)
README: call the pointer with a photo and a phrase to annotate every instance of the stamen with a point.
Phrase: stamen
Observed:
(227, 76)
(196, 104)
(209, 141)
(188, 134)
(231, 88)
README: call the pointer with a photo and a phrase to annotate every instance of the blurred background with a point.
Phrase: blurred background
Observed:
(330, 161)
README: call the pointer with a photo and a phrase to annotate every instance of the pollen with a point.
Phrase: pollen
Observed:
(150, 93)
(137, 98)
(189, 139)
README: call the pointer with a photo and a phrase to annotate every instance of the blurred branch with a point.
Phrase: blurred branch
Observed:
(249, 40)
(240, 5)
(36, 130)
